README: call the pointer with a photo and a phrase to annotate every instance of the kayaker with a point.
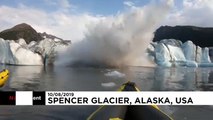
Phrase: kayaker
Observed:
(4, 75)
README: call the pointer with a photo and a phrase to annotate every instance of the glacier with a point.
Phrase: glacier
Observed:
(172, 53)
(6, 55)
(166, 53)
(18, 52)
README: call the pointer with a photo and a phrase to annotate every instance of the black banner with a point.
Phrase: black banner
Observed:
(38, 98)
(7, 98)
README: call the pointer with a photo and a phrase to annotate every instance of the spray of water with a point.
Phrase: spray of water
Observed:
(119, 40)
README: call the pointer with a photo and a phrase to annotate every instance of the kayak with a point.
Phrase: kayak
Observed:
(129, 112)
(4, 75)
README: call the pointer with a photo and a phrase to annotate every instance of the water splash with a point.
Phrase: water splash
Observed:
(119, 40)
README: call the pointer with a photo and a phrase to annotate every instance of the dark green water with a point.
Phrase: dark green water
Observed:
(38, 78)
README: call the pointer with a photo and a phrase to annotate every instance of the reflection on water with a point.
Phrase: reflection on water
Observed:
(66, 78)
(172, 79)
(96, 79)
(26, 78)
(207, 85)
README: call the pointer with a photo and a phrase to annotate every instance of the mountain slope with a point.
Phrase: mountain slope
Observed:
(202, 37)
(21, 31)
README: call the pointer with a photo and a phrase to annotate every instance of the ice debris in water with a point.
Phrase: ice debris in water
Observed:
(115, 74)
(108, 84)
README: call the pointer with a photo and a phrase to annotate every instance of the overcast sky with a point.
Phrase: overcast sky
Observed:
(68, 19)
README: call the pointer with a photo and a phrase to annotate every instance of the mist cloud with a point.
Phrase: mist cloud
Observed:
(117, 40)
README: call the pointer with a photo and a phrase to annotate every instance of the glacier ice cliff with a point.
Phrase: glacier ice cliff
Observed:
(171, 52)
(35, 53)
(166, 53)
(6, 55)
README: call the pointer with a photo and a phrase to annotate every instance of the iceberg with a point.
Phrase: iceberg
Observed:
(108, 84)
(115, 74)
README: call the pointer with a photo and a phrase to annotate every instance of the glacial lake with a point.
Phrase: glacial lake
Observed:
(38, 78)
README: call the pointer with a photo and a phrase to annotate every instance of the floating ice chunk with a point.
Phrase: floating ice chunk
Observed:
(115, 74)
(109, 84)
